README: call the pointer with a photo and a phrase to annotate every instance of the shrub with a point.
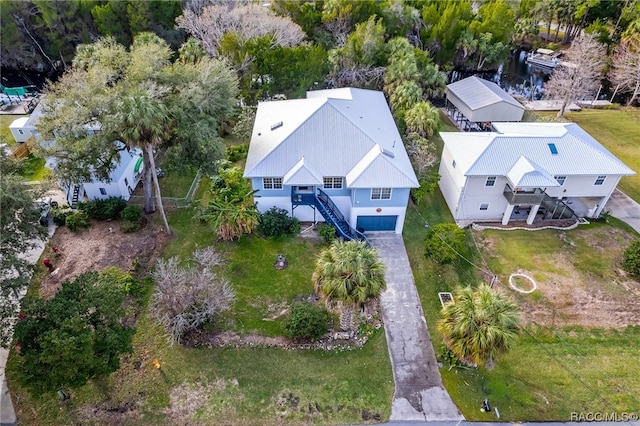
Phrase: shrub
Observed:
(60, 215)
(131, 213)
(190, 296)
(129, 227)
(631, 262)
(235, 153)
(442, 242)
(327, 232)
(306, 321)
(275, 222)
(109, 208)
(77, 220)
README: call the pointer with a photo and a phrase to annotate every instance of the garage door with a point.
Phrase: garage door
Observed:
(377, 223)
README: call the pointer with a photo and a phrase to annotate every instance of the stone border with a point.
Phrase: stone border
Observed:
(477, 227)
(519, 290)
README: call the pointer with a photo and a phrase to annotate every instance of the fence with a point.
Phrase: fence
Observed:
(22, 151)
(173, 201)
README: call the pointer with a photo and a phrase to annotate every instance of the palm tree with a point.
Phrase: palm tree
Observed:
(423, 119)
(145, 124)
(480, 325)
(349, 274)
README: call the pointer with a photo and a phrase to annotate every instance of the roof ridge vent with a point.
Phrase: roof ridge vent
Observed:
(277, 125)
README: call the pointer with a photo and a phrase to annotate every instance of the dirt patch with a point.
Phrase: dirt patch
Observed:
(100, 246)
(569, 296)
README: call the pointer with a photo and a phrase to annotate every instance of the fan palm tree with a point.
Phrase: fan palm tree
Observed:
(423, 119)
(146, 125)
(349, 274)
(480, 325)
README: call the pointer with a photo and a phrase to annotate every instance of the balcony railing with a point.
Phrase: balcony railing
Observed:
(514, 197)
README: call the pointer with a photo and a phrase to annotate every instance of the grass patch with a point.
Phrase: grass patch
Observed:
(248, 386)
(619, 131)
(32, 168)
(176, 184)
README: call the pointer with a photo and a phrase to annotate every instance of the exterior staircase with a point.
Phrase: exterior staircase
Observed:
(334, 216)
(76, 195)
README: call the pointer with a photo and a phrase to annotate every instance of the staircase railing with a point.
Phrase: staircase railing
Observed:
(333, 215)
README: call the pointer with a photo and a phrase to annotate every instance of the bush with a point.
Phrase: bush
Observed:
(631, 262)
(306, 321)
(235, 153)
(327, 232)
(109, 208)
(188, 297)
(442, 242)
(132, 213)
(77, 220)
(60, 215)
(275, 222)
(129, 227)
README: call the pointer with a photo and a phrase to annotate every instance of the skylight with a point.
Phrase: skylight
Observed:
(552, 148)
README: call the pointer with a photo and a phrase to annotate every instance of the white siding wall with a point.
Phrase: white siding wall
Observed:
(451, 181)
(583, 186)
(476, 193)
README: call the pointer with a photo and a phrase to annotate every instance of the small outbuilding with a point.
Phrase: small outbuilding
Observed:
(474, 103)
(20, 129)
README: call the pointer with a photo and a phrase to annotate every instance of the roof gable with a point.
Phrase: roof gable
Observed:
(302, 174)
(478, 93)
(526, 173)
(378, 162)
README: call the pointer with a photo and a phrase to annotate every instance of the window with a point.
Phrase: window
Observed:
(272, 183)
(380, 193)
(484, 206)
(560, 179)
(491, 180)
(332, 183)
(453, 164)
(20, 131)
(599, 180)
(103, 191)
(126, 182)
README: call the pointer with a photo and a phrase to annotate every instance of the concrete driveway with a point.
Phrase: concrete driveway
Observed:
(624, 208)
(419, 394)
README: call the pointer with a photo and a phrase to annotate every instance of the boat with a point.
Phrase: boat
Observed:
(544, 59)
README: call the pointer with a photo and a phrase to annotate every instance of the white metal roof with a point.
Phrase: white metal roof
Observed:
(302, 174)
(488, 154)
(333, 130)
(483, 100)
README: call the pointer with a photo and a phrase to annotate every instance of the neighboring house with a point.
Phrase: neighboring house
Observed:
(474, 103)
(335, 156)
(123, 179)
(527, 171)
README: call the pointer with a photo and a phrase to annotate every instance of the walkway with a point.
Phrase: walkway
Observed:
(624, 208)
(419, 393)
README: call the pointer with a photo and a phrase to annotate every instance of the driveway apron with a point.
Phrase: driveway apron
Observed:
(624, 208)
(419, 393)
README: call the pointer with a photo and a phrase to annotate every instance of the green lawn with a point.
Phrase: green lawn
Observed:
(619, 131)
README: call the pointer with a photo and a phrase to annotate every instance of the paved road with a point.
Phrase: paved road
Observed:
(419, 393)
(624, 208)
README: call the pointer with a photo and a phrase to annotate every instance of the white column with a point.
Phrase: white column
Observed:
(507, 214)
(532, 214)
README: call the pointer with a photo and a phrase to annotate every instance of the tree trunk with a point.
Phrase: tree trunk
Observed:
(346, 317)
(635, 94)
(149, 205)
(155, 182)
